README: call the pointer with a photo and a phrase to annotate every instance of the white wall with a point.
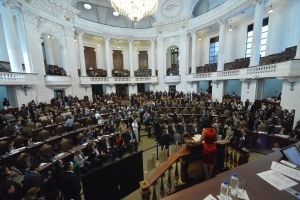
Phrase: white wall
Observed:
(57, 55)
(272, 87)
(3, 49)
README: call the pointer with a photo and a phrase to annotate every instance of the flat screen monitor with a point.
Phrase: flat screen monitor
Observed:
(292, 153)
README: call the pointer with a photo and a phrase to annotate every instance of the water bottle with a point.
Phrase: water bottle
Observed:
(234, 181)
(224, 190)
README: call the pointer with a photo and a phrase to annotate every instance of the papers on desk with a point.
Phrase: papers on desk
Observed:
(85, 144)
(59, 155)
(286, 170)
(277, 180)
(261, 132)
(196, 137)
(42, 164)
(283, 136)
(13, 151)
(210, 197)
(37, 142)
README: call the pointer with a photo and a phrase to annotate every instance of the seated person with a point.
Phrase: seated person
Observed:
(80, 159)
(244, 140)
(120, 144)
(10, 146)
(109, 148)
(24, 162)
(94, 154)
(131, 141)
(86, 138)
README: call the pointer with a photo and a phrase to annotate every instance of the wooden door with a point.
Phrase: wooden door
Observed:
(118, 60)
(143, 60)
(90, 57)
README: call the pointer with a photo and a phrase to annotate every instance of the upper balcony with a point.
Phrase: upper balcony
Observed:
(15, 78)
(117, 80)
(53, 80)
(283, 69)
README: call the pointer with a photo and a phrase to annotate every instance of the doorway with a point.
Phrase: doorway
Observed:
(58, 94)
(141, 88)
(122, 90)
(97, 89)
(172, 88)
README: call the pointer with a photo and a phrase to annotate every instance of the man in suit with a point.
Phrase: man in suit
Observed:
(165, 140)
(56, 173)
(11, 128)
(131, 141)
(184, 128)
(243, 140)
(249, 108)
(69, 123)
(156, 130)
(195, 128)
(219, 130)
(25, 164)
(34, 179)
(270, 124)
(247, 103)
(70, 183)
(109, 148)
(250, 121)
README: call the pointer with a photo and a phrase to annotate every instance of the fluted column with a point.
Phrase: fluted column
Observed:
(48, 51)
(257, 29)
(64, 56)
(130, 43)
(81, 53)
(10, 37)
(152, 57)
(23, 41)
(194, 51)
(298, 49)
(222, 43)
(108, 56)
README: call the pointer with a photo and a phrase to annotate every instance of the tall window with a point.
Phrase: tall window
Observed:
(174, 57)
(264, 35)
(213, 50)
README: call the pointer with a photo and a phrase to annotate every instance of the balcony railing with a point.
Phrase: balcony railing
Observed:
(51, 80)
(117, 80)
(172, 79)
(14, 78)
(282, 69)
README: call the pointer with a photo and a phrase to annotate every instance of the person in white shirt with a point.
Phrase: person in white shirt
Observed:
(101, 121)
(135, 127)
(97, 114)
(80, 159)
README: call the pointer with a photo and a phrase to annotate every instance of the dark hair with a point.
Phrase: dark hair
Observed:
(35, 165)
(206, 124)
(67, 166)
(53, 194)
(56, 164)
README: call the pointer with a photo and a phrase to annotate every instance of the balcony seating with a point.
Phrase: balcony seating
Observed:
(120, 73)
(92, 72)
(54, 70)
(143, 72)
(207, 68)
(173, 71)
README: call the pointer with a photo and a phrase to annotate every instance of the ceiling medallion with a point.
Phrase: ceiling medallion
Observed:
(135, 9)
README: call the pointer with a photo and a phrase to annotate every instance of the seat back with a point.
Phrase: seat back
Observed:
(46, 122)
(65, 145)
(59, 130)
(19, 141)
(185, 111)
(89, 121)
(31, 125)
(46, 149)
(59, 119)
(227, 113)
(76, 126)
(80, 115)
(262, 128)
(3, 147)
(79, 138)
(44, 134)
(193, 111)
(243, 124)
(170, 120)
(5, 131)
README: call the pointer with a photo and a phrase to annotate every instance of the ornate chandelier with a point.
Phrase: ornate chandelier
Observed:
(135, 9)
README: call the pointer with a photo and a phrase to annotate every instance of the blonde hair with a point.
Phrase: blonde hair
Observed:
(77, 152)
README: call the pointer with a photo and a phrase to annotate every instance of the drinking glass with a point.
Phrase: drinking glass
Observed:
(241, 188)
(232, 193)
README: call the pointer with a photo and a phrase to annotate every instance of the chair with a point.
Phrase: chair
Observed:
(65, 145)
(193, 111)
(185, 111)
(5, 131)
(31, 125)
(89, 121)
(59, 130)
(3, 147)
(19, 141)
(227, 113)
(243, 124)
(44, 134)
(46, 149)
(46, 122)
(262, 128)
(76, 126)
(80, 115)
(59, 119)
(170, 120)
(79, 138)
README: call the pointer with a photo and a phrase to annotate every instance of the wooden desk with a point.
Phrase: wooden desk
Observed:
(260, 140)
(256, 187)
(81, 147)
(65, 156)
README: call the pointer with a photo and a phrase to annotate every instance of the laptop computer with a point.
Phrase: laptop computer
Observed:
(292, 153)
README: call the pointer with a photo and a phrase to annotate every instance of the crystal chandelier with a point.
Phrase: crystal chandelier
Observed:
(135, 9)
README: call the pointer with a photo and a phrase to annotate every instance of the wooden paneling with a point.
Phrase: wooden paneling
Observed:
(90, 57)
(143, 60)
(118, 59)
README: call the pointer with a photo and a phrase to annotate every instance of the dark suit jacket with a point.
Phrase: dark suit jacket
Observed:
(22, 165)
(33, 179)
(128, 137)
(187, 129)
(104, 146)
(165, 140)
(221, 132)
(70, 186)
(56, 174)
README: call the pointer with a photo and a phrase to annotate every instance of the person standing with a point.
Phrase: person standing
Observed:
(209, 136)
(70, 183)
(135, 129)
(34, 179)
(165, 141)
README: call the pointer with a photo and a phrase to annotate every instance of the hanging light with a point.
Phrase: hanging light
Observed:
(271, 8)
(135, 9)
(98, 43)
(230, 29)
(75, 37)
(50, 37)
(118, 45)
(199, 37)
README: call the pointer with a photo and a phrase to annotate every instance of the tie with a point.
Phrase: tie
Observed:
(249, 107)
(131, 136)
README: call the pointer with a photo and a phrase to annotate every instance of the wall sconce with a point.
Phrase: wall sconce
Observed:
(86, 87)
(248, 85)
(25, 88)
(292, 84)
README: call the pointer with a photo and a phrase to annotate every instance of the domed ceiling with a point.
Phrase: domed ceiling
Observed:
(101, 12)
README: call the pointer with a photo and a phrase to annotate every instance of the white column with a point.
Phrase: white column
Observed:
(10, 37)
(23, 40)
(108, 56)
(257, 29)
(298, 49)
(152, 57)
(81, 53)
(130, 44)
(222, 43)
(48, 50)
(194, 51)
(64, 56)
(161, 56)
(98, 57)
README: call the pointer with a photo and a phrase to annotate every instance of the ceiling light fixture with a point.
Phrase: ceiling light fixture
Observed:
(116, 14)
(50, 36)
(118, 45)
(199, 36)
(271, 8)
(230, 29)
(98, 43)
(75, 37)
(135, 9)
(87, 6)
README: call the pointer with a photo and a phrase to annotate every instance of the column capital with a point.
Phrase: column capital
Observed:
(41, 40)
(222, 22)
(79, 33)
(193, 32)
(62, 46)
(152, 41)
(106, 39)
(130, 41)
(259, 2)
(5, 3)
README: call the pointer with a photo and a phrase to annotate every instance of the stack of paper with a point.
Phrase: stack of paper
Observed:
(196, 137)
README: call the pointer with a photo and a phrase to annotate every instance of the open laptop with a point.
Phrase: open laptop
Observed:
(292, 153)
